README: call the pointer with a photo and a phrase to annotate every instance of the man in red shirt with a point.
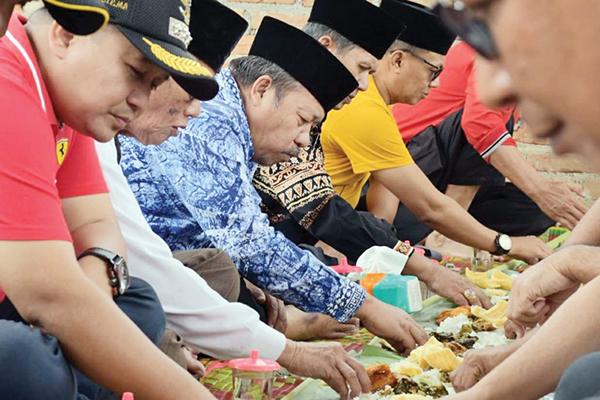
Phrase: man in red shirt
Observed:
(67, 310)
(451, 135)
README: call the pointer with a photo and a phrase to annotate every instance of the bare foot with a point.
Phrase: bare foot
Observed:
(310, 326)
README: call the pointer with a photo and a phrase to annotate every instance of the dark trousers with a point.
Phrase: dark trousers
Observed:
(447, 158)
(33, 367)
(580, 380)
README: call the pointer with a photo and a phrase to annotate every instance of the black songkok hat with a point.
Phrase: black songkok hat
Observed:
(424, 29)
(301, 56)
(215, 31)
(360, 22)
(80, 17)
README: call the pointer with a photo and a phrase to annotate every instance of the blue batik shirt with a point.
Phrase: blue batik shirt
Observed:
(196, 191)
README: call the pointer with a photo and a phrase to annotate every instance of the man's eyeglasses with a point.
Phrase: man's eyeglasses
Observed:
(471, 29)
(436, 70)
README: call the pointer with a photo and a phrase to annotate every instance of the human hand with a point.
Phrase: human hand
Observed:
(558, 201)
(276, 313)
(392, 324)
(449, 284)
(529, 249)
(327, 361)
(194, 366)
(477, 364)
(540, 290)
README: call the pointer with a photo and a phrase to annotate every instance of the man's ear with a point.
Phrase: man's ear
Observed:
(59, 40)
(259, 89)
(396, 60)
(327, 42)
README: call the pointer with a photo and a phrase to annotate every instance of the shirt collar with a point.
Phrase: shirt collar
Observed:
(231, 94)
(19, 44)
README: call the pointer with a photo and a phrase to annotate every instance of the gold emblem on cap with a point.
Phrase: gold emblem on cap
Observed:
(186, 11)
(181, 64)
(62, 146)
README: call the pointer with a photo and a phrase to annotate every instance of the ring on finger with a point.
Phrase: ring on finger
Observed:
(470, 295)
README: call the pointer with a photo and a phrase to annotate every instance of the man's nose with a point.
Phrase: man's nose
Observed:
(494, 84)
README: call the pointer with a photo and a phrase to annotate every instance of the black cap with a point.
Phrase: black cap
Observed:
(160, 30)
(80, 17)
(424, 29)
(301, 56)
(360, 22)
(215, 30)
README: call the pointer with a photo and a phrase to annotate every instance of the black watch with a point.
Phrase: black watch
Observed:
(118, 273)
(503, 244)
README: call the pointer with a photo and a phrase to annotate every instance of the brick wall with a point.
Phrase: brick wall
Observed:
(538, 153)
(564, 168)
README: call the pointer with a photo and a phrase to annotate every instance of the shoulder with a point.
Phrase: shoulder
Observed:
(358, 115)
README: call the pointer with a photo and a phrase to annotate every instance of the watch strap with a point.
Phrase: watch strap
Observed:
(109, 257)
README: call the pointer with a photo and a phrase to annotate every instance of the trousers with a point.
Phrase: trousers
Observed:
(33, 366)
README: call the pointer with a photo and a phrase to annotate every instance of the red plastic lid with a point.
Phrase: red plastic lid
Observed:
(127, 396)
(420, 251)
(344, 268)
(254, 363)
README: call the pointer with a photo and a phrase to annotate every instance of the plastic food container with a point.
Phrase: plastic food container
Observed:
(253, 377)
(349, 271)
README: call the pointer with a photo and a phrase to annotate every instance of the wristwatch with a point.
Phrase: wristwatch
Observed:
(503, 243)
(118, 273)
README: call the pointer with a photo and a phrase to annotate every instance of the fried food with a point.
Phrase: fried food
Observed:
(495, 315)
(481, 279)
(457, 348)
(498, 279)
(443, 359)
(381, 376)
(452, 313)
(406, 368)
(408, 397)
(418, 355)
(502, 279)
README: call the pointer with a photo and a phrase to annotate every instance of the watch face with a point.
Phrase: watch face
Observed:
(123, 278)
(505, 242)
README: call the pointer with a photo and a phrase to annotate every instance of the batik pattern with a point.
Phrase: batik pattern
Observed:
(196, 191)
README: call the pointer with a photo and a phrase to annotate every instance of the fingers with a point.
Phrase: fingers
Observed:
(351, 378)
(361, 373)
(421, 337)
(575, 188)
(281, 322)
(460, 299)
(272, 310)
(337, 383)
(527, 313)
(566, 221)
(512, 330)
(581, 207)
(483, 299)
(465, 376)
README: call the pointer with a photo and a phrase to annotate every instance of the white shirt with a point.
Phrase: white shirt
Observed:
(205, 320)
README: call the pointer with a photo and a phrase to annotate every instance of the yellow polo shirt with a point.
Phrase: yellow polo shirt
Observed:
(361, 138)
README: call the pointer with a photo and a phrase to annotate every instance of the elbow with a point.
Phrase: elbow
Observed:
(430, 215)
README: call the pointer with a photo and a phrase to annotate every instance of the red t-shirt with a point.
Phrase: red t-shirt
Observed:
(484, 127)
(42, 162)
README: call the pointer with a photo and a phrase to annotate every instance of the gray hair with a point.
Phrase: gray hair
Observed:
(400, 45)
(316, 31)
(247, 70)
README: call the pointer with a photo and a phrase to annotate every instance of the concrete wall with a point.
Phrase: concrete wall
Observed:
(295, 12)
